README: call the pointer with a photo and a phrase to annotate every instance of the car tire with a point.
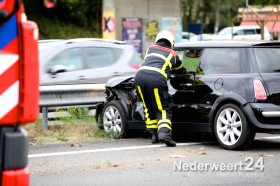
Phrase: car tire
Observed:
(232, 129)
(114, 120)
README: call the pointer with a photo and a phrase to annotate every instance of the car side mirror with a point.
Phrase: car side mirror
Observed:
(58, 69)
(193, 54)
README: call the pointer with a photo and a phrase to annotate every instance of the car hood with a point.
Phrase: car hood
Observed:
(117, 80)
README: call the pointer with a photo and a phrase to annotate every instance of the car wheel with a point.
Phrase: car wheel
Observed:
(232, 129)
(114, 119)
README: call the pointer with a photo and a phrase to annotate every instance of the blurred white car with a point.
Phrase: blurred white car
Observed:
(187, 36)
(242, 33)
(85, 60)
(202, 37)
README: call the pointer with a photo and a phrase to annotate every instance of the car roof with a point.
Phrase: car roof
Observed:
(226, 44)
(244, 27)
(236, 28)
(49, 45)
(59, 42)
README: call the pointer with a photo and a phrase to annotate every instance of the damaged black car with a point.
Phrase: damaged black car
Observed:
(232, 90)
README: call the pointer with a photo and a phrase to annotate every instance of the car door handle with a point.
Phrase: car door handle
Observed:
(53, 75)
(116, 74)
(186, 84)
(82, 78)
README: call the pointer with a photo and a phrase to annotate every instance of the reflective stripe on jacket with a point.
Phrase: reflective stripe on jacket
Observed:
(162, 60)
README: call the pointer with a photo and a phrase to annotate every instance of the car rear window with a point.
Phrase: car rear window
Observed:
(249, 31)
(99, 57)
(226, 61)
(118, 52)
(268, 59)
(136, 59)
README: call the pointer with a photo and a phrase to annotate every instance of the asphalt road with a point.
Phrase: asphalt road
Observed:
(197, 160)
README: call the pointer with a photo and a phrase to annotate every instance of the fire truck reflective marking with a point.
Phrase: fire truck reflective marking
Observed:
(8, 32)
(7, 60)
(9, 99)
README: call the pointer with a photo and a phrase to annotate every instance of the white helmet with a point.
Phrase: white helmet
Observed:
(165, 34)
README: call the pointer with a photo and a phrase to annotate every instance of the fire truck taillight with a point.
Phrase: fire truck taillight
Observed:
(259, 90)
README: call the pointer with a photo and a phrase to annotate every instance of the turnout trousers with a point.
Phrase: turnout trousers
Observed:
(153, 90)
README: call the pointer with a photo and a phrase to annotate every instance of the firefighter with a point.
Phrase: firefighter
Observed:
(159, 63)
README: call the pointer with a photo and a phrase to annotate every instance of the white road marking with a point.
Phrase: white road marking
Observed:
(124, 148)
(107, 150)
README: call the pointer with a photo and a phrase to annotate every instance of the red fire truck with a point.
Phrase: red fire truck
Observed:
(19, 92)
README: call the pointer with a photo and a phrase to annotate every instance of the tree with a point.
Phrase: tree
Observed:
(212, 14)
(85, 14)
(217, 14)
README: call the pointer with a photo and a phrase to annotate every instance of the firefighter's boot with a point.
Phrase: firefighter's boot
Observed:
(154, 134)
(165, 136)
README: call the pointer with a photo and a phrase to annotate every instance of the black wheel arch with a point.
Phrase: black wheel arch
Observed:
(112, 94)
(247, 134)
(122, 97)
(225, 99)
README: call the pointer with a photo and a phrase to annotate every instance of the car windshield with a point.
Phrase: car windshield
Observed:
(43, 50)
(268, 59)
(225, 31)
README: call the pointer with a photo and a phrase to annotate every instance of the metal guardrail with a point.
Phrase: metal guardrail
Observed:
(69, 95)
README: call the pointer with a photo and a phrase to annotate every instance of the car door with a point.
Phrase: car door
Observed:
(206, 79)
(66, 67)
(103, 64)
(247, 34)
(182, 90)
(222, 71)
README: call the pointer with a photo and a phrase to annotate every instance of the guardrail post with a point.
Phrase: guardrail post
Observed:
(45, 118)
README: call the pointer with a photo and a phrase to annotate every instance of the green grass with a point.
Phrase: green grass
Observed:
(76, 127)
